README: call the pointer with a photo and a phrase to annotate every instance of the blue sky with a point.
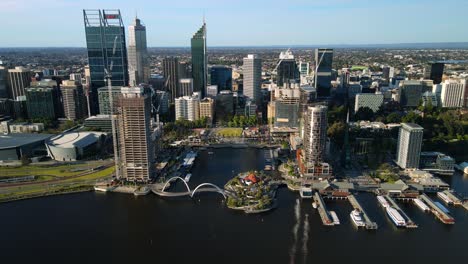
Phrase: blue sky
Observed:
(58, 23)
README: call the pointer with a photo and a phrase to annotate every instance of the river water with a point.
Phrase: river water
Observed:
(94, 227)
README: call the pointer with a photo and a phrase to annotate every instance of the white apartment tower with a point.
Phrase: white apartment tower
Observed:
(409, 146)
(253, 78)
(315, 137)
(138, 66)
(188, 107)
(453, 92)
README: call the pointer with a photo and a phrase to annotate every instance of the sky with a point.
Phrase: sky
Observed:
(171, 23)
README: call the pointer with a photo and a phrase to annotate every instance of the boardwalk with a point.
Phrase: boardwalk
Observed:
(443, 216)
(409, 223)
(324, 215)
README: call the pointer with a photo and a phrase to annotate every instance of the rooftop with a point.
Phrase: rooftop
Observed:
(411, 126)
(20, 139)
(75, 139)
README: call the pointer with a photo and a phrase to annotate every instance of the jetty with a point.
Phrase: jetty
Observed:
(409, 223)
(443, 215)
(355, 204)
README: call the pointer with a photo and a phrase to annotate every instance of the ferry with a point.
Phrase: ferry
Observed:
(306, 192)
(356, 216)
(421, 204)
(396, 217)
(335, 218)
(444, 198)
(187, 177)
(383, 201)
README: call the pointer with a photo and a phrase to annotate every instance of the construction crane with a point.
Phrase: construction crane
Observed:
(108, 78)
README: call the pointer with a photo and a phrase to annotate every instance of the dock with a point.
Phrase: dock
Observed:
(409, 223)
(456, 199)
(324, 214)
(439, 213)
(355, 204)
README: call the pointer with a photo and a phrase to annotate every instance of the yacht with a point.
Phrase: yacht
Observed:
(383, 202)
(421, 204)
(356, 216)
(396, 217)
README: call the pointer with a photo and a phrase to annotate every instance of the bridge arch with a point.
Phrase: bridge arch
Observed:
(218, 190)
(174, 179)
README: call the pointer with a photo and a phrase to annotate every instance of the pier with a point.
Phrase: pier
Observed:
(443, 216)
(409, 223)
(324, 214)
(355, 204)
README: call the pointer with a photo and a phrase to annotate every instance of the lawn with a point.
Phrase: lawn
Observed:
(45, 172)
(229, 132)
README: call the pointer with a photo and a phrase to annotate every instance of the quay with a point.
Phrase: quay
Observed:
(324, 214)
(444, 217)
(409, 223)
(456, 199)
(355, 204)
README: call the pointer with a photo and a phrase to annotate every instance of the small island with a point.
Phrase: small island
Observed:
(252, 192)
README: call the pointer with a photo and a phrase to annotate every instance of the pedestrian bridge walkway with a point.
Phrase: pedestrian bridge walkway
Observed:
(204, 187)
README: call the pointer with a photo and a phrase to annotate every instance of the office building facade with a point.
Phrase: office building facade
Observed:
(252, 83)
(105, 40)
(372, 101)
(73, 99)
(409, 93)
(453, 93)
(43, 102)
(221, 76)
(207, 109)
(171, 75)
(199, 60)
(323, 71)
(138, 64)
(18, 79)
(286, 70)
(185, 87)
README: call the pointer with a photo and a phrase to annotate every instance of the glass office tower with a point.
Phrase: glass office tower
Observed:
(105, 40)
(323, 75)
(222, 77)
(199, 60)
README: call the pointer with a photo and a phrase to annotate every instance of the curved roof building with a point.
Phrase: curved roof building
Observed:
(75, 145)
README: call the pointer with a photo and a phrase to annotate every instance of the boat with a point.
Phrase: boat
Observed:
(210, 152)
(314, 205)
(444, 198)
(335, 218)
(421, 204)
(187, 177)
(395, 216)
(142, 191)
(356, 216)
(383, 202)
(306, 192)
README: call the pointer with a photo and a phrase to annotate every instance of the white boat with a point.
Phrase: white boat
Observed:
(306, 192)
(210, 152)
(187, 177)
(383, 202)
(395, 216)
(421, 204)
(444, 198)
(335, 218)
(356, 216)
(462, 167)
(314, 205)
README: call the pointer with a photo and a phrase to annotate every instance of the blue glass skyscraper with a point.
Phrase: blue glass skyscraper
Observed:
(222, 77)
(105, 40)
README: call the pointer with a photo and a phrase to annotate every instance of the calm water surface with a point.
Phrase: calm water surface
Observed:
(94, 227)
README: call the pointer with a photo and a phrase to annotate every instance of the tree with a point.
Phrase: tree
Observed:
(393, 118)
(336, 132)
(364, 113)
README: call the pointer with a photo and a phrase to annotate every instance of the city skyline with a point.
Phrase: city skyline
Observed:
(171, 24)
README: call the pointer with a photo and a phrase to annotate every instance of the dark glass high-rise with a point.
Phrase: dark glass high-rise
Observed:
(105, 40)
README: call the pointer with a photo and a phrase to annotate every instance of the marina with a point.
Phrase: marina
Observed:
(440, 213)
(421, 205)
(397, 215)
(369, 224)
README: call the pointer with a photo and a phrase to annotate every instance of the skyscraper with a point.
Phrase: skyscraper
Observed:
(104, 100)
(199, 60)
(434, 71)
(18, 79)
(323, 71)
(74, 102)
(3, 82)
(137, 154)
(253, 78)
(188, 107)
(315, 136)
(105, 39)
(185, 87)
(453, 93)
(170, 67)
(410, 92)
(286, 69)
(409, 145)
(137, 54)
(222, 77)
(43, 102)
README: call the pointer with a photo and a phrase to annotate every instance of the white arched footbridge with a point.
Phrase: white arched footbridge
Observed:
(204, 187)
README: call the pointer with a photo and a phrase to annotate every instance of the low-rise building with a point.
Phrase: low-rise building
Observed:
(437, 162)
(75, 146)
(26, 127)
